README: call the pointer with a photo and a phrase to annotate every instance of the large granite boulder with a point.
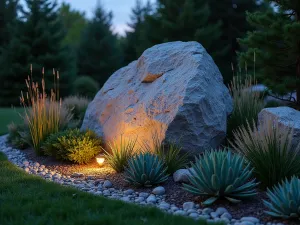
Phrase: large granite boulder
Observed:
(174, 91)
(286, 116)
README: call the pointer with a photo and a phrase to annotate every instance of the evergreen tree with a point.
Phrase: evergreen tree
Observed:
(132, 44)
(99, 52)
(8, 16)
(232, 13)
(74, 23)
(276, 45)
(37, 40)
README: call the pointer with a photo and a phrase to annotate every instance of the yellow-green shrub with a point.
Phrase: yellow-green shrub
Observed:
(73, 145)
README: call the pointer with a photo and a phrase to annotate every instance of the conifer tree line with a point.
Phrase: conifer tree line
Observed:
(87, 50)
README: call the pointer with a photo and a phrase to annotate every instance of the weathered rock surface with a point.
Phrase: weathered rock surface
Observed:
(286, 116)
(174, 90)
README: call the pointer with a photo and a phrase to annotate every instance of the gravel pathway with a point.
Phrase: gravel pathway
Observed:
(104, 187)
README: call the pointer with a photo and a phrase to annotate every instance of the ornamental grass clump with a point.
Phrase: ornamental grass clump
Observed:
(221, 174)
(269, 150)
(284, 199)
(146, 169)
(42, 112)
(170, 153)
(119, 153)
(247, 103)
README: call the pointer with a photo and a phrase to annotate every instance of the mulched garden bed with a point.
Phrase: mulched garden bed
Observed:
(174, 192)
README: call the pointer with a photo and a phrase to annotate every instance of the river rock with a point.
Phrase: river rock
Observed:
(174, 91)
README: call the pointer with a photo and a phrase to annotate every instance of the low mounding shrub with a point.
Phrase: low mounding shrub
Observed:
(247, 103)
(77, 107)
(119, 153)
(44, 114)
(269, 150)
(73, 145)
(284, 200)
(146, 169)
(85, 86)
(221, 174)
(18, 136)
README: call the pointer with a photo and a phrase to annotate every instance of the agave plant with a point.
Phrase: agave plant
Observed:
(146, 169)
(120, 153)
(221, 174)
(285, 199)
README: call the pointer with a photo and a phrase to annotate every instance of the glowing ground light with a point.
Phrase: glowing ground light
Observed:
(100, 159)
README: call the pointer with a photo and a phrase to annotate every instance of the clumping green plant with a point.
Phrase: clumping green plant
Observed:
(284, 199)
(43, 112)
(221, 174)
(269, 150)
(73, 145)
(119, 153)
(146, 169)
(247, 103)
(76, 106)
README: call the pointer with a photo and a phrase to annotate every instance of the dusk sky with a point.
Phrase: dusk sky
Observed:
(121, 10)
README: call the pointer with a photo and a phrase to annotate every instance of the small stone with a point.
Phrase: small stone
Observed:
(159, 190)
(247, 223)
(204, 217)
(207, 210)
(214, 215)
(77, 175)
(181, 175)
(194, 215)
(174, 208)
(36, 164)
(192, 211)
(125, 199)
(139, 199)
(180, 213)
(164, 205)
(27, 169)
(151, 199)
(221, 211)
(143, 194)
(225, 220)
(42, 166)
(226, 215)
(26, 163)
(128, 192)
(188, 205)
(106, 192)
(250, 219)
(107, 184)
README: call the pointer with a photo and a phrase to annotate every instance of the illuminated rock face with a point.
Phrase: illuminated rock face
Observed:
(174, 90)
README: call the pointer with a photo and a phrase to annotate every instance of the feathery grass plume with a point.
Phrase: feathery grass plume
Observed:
(269, 150)
(42, 112)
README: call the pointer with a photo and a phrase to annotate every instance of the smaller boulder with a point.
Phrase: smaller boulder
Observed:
(287, 118)
(182, 175)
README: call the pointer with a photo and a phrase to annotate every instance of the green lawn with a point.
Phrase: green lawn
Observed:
(30, 200)
(8, 115)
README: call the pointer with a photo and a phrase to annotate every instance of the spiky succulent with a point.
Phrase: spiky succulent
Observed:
(221, 174)
(145, 169)
(284, 199)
